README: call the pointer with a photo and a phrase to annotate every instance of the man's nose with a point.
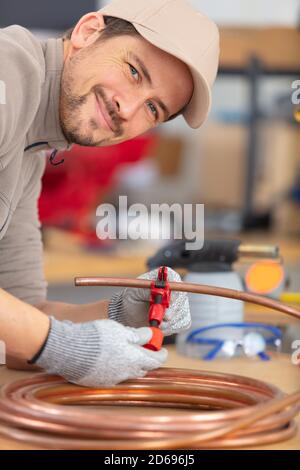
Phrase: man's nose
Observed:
(128, 105)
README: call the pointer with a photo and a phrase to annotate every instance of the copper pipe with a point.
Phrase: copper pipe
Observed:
(192, 288)
(224, 411)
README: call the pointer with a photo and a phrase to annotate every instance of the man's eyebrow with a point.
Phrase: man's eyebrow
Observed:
(164, 108)
(148, 78)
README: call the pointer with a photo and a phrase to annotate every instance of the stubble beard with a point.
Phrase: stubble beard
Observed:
(70, 112)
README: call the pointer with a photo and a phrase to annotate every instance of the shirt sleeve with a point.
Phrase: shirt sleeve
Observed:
(21, 248)
(21, 79)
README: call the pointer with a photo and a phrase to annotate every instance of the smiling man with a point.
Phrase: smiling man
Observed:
(116, 85)
(120, 72)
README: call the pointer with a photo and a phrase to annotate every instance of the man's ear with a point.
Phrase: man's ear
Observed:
(86, 31)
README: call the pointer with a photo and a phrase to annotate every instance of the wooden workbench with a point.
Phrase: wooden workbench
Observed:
(65, 250)
(279, 371)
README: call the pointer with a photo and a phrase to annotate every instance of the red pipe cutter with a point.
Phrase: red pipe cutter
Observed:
(160, 295)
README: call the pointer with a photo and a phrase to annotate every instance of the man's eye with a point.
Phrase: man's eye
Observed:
(134, 72)
(153, 109)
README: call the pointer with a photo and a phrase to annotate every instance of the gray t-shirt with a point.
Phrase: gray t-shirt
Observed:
(30, 73)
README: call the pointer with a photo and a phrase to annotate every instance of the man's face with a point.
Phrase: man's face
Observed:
(117, 89)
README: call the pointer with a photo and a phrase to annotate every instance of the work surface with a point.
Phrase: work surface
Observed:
(279, 371)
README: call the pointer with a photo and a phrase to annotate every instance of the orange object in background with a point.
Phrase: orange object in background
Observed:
(265, 277)
(71, 191)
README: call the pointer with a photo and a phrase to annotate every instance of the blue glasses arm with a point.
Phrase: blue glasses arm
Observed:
(264, 356)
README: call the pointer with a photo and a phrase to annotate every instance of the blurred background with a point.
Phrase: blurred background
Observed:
(243, 164)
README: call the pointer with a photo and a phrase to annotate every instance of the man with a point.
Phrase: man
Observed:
(120, 72)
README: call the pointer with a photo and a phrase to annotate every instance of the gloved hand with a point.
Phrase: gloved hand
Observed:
(131, 306)
(98, 354)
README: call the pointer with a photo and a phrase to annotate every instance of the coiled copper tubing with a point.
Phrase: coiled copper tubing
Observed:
(205, 409)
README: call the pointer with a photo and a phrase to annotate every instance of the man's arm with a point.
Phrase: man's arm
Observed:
(23, 328)
(93, 354)
(75, 313)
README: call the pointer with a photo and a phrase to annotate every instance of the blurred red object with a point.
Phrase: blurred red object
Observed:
(71, 191)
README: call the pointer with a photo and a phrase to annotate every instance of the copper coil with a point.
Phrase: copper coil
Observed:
(217, 410)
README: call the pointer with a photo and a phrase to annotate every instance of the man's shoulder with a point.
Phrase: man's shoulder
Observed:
(22, 74)
(19, 43)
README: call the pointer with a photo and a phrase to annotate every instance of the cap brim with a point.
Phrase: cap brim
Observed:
(199, 106)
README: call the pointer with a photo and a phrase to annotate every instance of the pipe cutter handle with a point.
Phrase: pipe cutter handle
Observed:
(156, 341)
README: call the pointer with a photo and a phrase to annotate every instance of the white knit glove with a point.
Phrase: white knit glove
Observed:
(131, 306)
(98, 354)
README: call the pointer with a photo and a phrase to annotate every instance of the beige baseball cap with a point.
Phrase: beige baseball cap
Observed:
(177, 28)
